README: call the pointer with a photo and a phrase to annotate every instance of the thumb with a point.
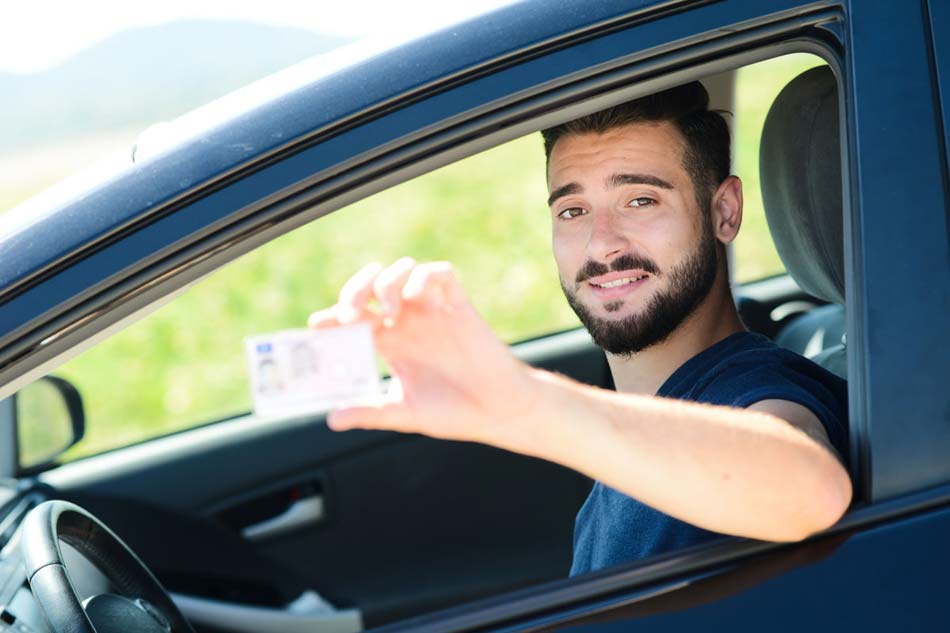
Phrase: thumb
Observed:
(386, 415)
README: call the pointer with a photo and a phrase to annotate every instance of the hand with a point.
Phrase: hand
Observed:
(452, 377)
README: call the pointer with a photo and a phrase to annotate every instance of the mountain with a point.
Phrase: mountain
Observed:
(141, 76)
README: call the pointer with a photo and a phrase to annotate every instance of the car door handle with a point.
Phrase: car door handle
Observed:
(300, 513)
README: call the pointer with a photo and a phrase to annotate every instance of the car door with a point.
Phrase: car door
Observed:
(370, 542)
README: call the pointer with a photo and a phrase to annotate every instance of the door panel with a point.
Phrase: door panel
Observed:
(417, 524)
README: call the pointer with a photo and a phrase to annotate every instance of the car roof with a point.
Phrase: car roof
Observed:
(305, 102)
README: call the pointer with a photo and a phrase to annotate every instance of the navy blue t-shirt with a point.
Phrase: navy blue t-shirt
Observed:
(738, 371)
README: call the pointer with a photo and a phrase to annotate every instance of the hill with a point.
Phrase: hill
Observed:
(141, 76)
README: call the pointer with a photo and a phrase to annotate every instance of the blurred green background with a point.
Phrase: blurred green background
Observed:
(184, 364)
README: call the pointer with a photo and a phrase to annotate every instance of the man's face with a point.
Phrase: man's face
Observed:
(635, 254)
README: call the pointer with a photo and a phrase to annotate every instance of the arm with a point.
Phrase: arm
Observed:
(763, 472)
(747, 472)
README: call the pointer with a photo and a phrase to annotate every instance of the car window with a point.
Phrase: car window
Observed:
(184, 364)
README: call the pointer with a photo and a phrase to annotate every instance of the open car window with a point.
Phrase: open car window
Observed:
(184, 365)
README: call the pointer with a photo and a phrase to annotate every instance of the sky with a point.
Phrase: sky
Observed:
(40, 34)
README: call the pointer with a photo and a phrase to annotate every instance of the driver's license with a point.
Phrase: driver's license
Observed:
(306, 371)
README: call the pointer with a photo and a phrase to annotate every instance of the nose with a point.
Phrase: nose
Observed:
(606, 241)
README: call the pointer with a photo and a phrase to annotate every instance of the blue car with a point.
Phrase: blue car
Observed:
(244, 523)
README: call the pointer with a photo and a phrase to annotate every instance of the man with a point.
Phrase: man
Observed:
(714, 429)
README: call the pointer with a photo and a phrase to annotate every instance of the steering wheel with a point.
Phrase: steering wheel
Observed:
(143, 607)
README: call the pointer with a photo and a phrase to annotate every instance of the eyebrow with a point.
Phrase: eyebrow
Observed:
(616, 180)
(566, 190)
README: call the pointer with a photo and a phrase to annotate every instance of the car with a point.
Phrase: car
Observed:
(278, 524)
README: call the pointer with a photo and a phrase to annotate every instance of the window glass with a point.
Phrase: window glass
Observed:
(757, 85)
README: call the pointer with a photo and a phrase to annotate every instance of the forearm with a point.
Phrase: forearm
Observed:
(728, 470)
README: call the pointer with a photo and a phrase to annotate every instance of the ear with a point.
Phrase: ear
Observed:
(727, 209)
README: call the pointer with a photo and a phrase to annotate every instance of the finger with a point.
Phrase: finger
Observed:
(357, 292)
(325, 318)
(434, 283)
(385, 416)
(389, 283)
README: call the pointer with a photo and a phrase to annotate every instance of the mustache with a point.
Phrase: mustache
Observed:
(624, 262)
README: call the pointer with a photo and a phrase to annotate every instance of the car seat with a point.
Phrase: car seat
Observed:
(800, 170)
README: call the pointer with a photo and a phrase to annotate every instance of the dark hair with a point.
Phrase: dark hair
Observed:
(705, 132)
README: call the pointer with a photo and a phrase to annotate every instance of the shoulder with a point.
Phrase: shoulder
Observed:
(742, 361)
(748, 368)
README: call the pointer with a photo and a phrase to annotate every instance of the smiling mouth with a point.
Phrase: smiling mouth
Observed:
(623, 281)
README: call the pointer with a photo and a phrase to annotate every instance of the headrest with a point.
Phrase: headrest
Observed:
(800, 170)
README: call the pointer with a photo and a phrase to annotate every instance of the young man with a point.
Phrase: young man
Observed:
(714, 429)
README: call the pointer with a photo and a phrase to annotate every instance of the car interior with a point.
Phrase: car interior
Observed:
(255, 525)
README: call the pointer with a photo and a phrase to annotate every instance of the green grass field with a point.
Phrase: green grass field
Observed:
(183, 365)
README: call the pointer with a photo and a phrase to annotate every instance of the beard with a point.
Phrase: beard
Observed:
(689, 283)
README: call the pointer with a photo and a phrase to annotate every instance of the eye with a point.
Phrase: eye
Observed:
(571, 212)
(642, 201)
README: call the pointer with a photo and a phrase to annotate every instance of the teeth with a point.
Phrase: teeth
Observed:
(620, 282)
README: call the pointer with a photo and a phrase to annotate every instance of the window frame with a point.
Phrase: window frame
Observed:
(896, 321)
(546, 338)
(509, 122)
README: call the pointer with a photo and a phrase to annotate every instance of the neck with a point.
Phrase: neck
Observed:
(713, 320)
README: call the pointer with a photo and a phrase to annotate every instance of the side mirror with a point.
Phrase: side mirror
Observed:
(49, 419)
